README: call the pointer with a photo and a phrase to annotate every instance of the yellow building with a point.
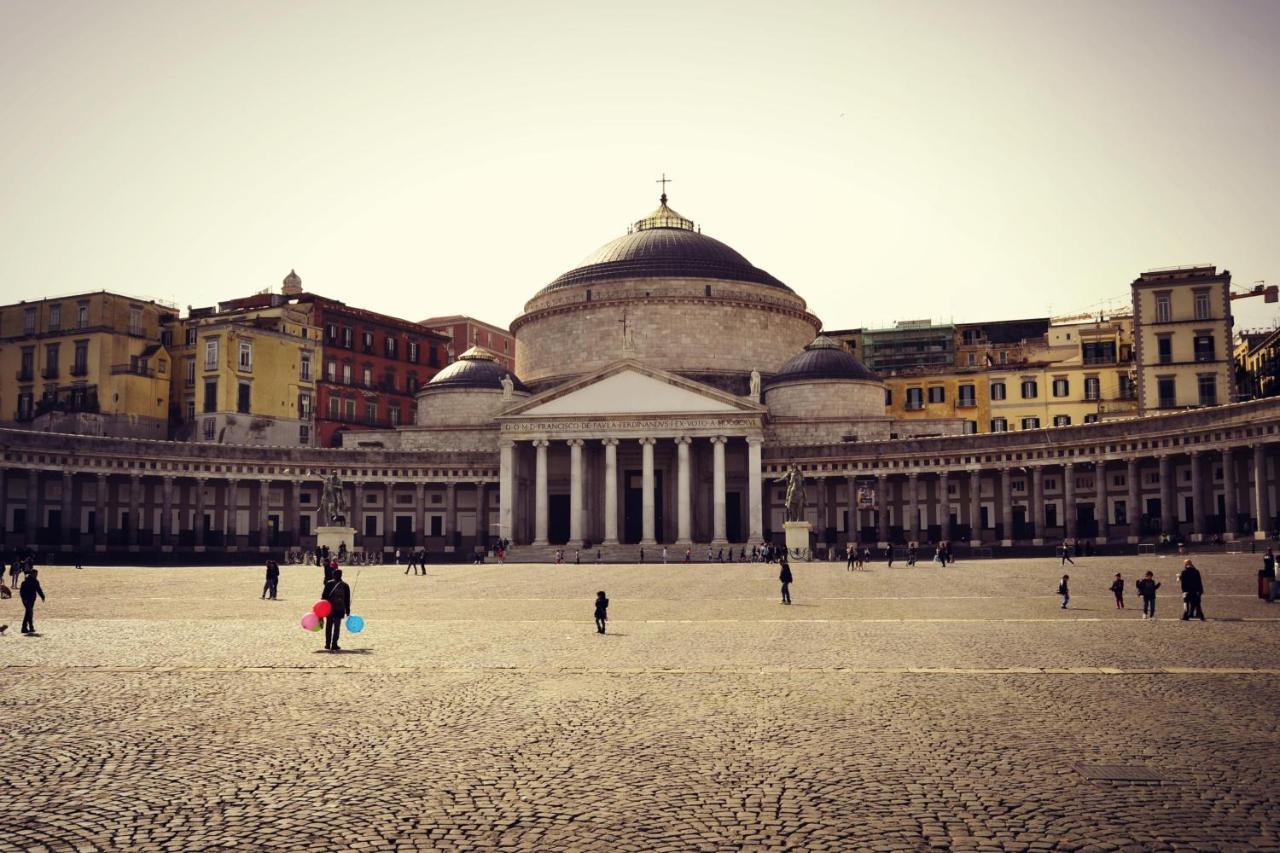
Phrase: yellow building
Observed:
(92, 363)
(245, 373)
(955, 394)
(1183, 347)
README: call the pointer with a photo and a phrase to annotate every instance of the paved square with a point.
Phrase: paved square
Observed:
(904, 708)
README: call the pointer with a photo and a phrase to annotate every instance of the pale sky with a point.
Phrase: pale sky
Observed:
(958, 161)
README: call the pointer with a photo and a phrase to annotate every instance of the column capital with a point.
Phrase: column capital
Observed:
(609, 442)
(506, 442)
(540, 442)
(683, 439)
(754, 440)
(648, 441)
(719, 439)
(575, 442)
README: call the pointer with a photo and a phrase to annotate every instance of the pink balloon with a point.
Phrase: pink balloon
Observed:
(322, 608)
(310, 621)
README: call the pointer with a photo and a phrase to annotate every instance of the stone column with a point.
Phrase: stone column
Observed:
(882, 507)
(1168, 521)
(135, 510)
(100, 513)
(975, 507)
(853, 524)
(1037, 503)
(1006, 505)
(1134, 480)
(166, 513)
(944, 506)
(1261, 505)
(1198, 523)
(70, 525)
(540, 492)
(1230, 508)
(482, 514)
(357, 513)
(755, 493)
(1100, 500)
(388, 518)
(506, 493)
(231, 513)
(717, 490)
(1069, 500)
(289, 511)
(684, 496)
(647, 536)
(575, 492)
(610, 491)
(199, 512)
(420, 504)
(451, 515)
(911, 523)
(264, 504)
(35, 506)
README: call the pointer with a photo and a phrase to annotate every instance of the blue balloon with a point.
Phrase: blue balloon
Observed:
(355, 624)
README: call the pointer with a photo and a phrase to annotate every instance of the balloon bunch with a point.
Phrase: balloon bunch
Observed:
(313, 621)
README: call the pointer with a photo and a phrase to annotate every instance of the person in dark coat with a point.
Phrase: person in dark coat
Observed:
(273, 578)
(1192, 589)
(602, 611)
(1117, 589)
(1147, 590)
(785, 577)
(338, 594)
(27, 592)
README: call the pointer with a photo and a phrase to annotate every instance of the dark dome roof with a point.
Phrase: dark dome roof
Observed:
(822, 359)
(664, 245)
(475, 368)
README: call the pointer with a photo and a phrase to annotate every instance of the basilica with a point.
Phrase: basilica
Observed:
(661, 388)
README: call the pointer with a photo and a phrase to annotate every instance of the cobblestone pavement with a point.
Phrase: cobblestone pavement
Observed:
(891, 709)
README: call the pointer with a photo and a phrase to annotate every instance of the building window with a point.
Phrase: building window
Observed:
(1164, 349)
(371, 413)
(433, 356)
(997, 391)
(1061, 387)
(1030, 390)
(333, 408)
(246, 355)
(1121, 510)
(394, 414)
(1091, 419)
(1031, 423)
(888, 397)
(190, 409)
(1167, 392)
(1004, 356)
(999, 425)
(366, 341)
(1098, 352)
(973, 359)
(211, 354)
(304, 406)
(967, 397)
(1202, 305)
(331, 370)
(82, 315)
(970, 427)
(1208, 384)
(1061, 420)
(25, 406)
(1204, 347)
(1164, 310)
(347, 336)
(29, 321)
(391, 347)
(412, 354)
(349, 408)
(210, 426)
(243, 392)
(915, 399)
(1092, 388)
(366, 376)
(55, 317)
(1127, 389)
(304, 367)
(27, 371)
(135, 320)
(51, 361)
(191, 336)
(937, 394)
(346, 373)
(210, 396)
(80, 366)
(411, 383)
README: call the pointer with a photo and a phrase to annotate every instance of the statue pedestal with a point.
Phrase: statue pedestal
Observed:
(334, 537)
(797, 536)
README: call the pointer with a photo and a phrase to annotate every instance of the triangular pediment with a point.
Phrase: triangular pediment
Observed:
(630, 388)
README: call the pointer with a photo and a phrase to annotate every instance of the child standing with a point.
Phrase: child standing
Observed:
(602, 611)
(1117, 587)
(1064, 592)
(1147, 589)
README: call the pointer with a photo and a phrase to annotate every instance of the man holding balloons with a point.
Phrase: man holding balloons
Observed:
(338, 595)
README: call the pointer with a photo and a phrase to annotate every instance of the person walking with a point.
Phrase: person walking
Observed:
(1117, 589)
(688, 555)
(849, 552)
(911, 554)
(602, 611)
(1064, 591)
(1066, 553)
(1147, 590)
(273, 579)
(664, 554)
(1269, 576)
(27, 592)
(785, 577)
(338, 594)
(1192, 589)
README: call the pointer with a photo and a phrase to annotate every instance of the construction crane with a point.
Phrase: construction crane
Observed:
(1268, 292)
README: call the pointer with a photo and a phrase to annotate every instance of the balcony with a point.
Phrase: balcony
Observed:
(132, 369)
(1099, 359)
(79, 370)
(966, 403)
(914, 405)
(26, 375)
(49, 373)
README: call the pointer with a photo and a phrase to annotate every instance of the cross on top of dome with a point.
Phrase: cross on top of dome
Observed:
(664, 217)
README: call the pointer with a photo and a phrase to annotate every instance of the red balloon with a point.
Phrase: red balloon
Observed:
(322, 609)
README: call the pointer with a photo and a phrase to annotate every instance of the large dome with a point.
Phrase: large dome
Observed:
(475, 368)
(664, 245)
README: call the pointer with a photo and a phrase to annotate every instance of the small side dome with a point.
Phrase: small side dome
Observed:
(475, 368)
(822, 359)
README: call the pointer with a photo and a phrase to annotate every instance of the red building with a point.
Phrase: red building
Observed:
(468, 332)
(371, 366)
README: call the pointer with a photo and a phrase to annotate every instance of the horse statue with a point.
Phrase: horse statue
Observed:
(795, 500)
(333, 501)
